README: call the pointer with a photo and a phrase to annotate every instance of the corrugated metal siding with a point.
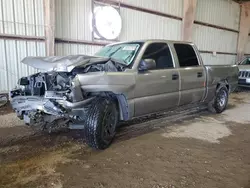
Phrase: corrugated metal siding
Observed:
(12, 52)
(22, 17)
(212, 39)
(224, 13)
(73, 19)
(173, 7)
(73, 22)
(219, 59)
(73, 49)
(19, 17)
(140, 25)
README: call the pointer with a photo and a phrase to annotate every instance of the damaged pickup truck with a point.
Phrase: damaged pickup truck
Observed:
(121, 82)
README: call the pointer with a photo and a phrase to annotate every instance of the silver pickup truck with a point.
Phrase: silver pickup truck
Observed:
(121, 82)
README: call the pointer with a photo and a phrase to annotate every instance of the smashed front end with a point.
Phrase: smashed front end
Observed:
(56, 94)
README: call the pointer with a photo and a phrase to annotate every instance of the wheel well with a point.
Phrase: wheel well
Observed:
(121, 102)
(223, 83)
(123, 107)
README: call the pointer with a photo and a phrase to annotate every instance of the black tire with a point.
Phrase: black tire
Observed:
(101, 122)
(220, 101)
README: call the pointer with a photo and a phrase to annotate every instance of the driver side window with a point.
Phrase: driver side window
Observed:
(161, 54)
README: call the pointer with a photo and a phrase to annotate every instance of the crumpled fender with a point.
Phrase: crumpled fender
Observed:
(118, 83)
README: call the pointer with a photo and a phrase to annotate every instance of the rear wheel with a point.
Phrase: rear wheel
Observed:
(101, 122)
(220, 100)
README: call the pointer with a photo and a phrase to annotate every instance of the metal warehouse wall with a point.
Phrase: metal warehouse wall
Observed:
(19, 18)
(173, 7)
(223, 13)
(225, 16)
(73, 21)
(213, 31)
(74, 49)
(12, 52)
(22, 17)
(140, 25)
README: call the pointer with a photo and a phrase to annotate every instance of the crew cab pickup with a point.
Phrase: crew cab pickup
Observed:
(120, 82)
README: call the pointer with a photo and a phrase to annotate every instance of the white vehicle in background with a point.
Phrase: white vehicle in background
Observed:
(244, 72)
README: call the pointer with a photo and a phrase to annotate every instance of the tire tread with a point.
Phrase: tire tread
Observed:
(94, 118)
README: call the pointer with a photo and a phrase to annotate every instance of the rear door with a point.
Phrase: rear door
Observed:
(157, 89)
(192, 74)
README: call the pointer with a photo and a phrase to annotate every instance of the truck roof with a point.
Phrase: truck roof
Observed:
(153, 40)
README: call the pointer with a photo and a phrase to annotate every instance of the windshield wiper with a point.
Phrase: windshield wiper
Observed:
(129, 56)
(115, 51)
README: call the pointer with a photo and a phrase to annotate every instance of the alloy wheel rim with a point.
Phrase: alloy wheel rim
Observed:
(109, 125)
(222, 98)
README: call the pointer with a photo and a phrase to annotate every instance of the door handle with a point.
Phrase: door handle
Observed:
(175, 76)
(199, 74)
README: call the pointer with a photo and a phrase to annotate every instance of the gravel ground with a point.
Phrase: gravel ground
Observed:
(189, 149)
(10, 120)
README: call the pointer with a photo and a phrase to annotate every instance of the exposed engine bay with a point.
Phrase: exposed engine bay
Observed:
(55, 95)
(38, 84)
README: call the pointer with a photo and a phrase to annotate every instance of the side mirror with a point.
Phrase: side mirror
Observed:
(147, 64)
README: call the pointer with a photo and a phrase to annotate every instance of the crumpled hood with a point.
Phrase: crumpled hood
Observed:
(62, 63)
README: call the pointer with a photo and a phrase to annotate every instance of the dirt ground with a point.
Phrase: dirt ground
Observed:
(187, 149)
(6, 109)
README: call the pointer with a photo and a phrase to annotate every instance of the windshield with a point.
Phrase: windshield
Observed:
(245, 62)
(125, 52)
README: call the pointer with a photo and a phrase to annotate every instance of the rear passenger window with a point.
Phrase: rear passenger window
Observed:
(186, 55)
(159, 52)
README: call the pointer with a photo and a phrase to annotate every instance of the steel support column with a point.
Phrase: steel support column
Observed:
(189, 9)
(244, 29)
(49, 22)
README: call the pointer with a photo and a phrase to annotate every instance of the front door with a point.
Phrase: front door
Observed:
(157, 89)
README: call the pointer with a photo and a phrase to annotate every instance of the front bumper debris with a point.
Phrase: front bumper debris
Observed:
(62, 108)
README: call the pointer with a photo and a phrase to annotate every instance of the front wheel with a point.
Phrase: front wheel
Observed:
(220, 100)
(101, 122)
